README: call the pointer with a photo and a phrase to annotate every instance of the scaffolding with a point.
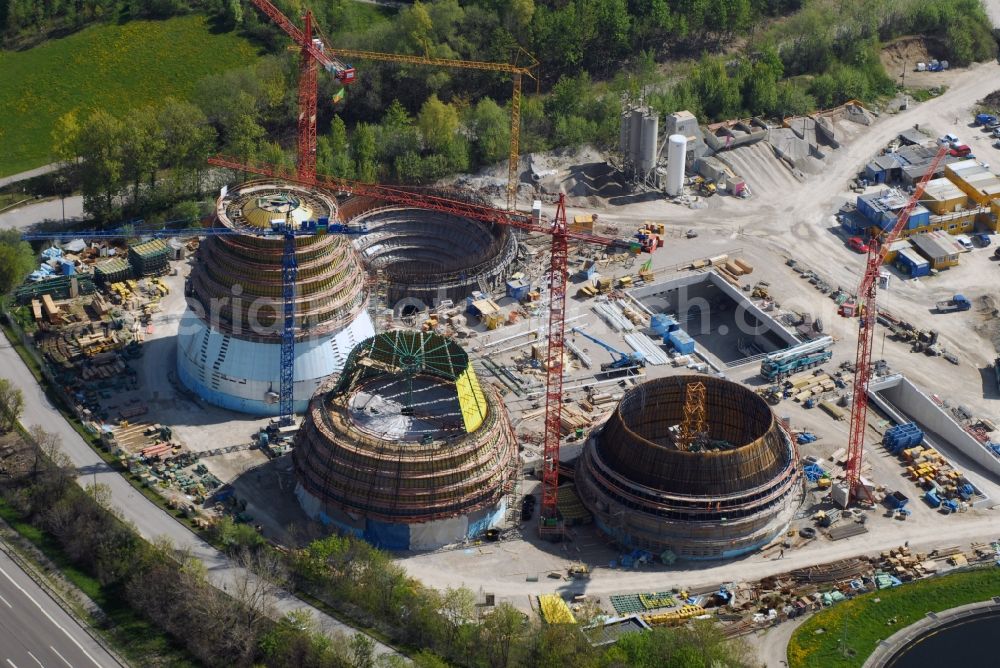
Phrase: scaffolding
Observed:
(692, 464)
(450, 470)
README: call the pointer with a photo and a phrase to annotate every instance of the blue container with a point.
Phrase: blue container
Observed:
(68, 269)
(518, 290)
(662, 324)
(932, 499)
(681, 341)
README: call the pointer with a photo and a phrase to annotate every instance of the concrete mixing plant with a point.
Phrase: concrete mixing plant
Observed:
(637, 143)
(229, 340)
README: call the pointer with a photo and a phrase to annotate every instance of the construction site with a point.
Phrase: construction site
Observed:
(672, 405)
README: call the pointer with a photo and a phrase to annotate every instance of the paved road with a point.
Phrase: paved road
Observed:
(25, 216)
(30, 174)
(146, 516)
(36, 631)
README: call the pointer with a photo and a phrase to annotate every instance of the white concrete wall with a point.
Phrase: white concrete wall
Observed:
(905, 396)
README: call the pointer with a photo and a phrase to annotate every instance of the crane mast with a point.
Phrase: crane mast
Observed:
(516, 72)
(867, 313)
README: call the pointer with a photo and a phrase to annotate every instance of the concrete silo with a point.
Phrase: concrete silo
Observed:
(676, 157)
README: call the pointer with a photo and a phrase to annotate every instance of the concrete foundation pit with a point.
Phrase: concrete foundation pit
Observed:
(722, 321)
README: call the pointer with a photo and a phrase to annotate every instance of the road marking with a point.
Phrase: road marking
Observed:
(5, 601)
(57, 624)
(36, 659)
(12, 663)
(62, 657)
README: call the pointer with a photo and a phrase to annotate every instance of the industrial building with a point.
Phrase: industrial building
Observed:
(881, 209)
(428, 256)
(406, 449)
(229, 340)
(694, 466)
(940, 250)
(975, 180)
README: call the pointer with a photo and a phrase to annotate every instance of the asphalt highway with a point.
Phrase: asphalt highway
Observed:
(36, 631)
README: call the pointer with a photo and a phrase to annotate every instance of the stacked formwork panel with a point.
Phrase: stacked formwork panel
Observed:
(731, 494)
(406, 490)
(112, 270)
(150, 258)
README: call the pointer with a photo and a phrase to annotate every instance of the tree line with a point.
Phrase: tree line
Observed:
(165, 586)
(413, 124)
(451, 627)
(171, 590)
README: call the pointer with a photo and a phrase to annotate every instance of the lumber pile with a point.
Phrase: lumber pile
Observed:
(573, 418)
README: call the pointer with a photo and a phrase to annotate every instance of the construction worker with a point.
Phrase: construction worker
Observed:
(781, 555)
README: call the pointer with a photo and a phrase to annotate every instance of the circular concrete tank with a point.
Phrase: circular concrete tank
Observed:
(229, 339)
(406, 449)
(428, 256)
(727, 492)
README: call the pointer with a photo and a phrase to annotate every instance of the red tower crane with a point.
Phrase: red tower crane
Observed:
(867, 313)
(313, 52)
(561, 234)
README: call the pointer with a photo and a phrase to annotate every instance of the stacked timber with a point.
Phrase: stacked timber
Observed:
(573, 418)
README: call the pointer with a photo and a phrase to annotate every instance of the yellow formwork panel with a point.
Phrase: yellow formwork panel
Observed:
(471, 399)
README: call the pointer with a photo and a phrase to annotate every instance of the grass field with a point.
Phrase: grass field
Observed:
(113, 67)
(816, 644)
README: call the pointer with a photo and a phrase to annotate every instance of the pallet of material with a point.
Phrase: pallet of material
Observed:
(745, 266)
(573, 418)
(733, 268)
(847, 530)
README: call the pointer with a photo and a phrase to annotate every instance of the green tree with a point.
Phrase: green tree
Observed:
(102, 138)
(333, 153)
(438, 122)
(519, 13)
(16, 260)
(364, 150)
(188, 140)
(416, 26)
(11, 401)
(142, 151)
(245, 137)
(491, 131)
(65, 137)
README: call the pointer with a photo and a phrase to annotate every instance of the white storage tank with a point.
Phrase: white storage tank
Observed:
(676, 157)
(647, 151)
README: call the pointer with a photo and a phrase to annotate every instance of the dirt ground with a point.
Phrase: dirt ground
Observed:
(902, 55)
